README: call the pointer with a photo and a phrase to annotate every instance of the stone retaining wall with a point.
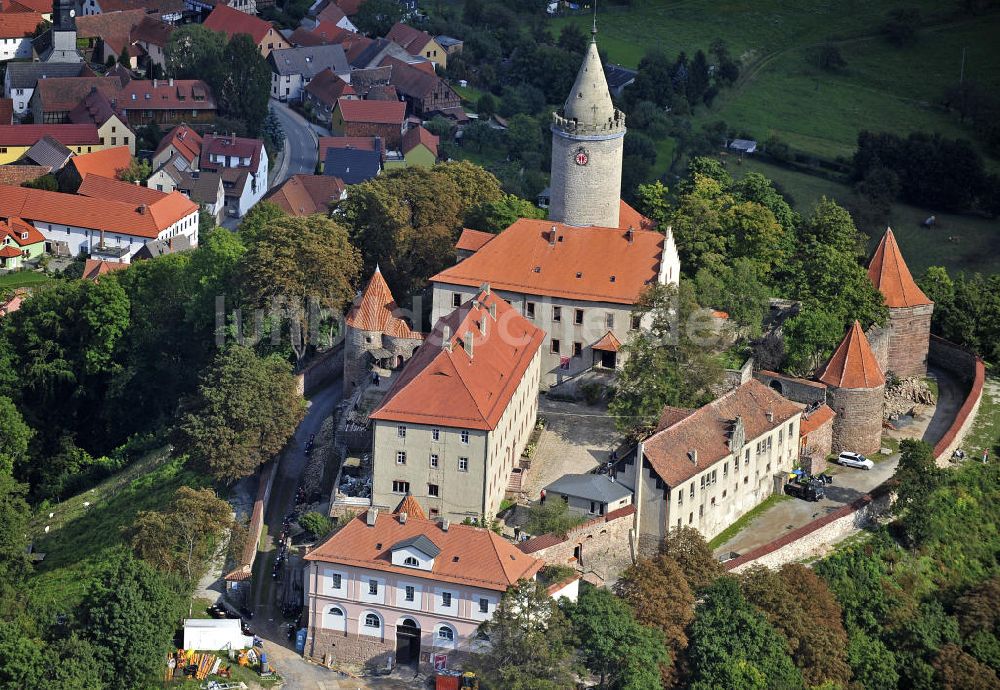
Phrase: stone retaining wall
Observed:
(601, 546)
(801, 542)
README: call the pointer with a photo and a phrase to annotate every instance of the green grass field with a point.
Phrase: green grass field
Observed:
(80, 536)
(11, 281)
(977, 247)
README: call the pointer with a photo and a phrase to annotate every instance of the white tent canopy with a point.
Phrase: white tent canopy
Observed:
(210, 634)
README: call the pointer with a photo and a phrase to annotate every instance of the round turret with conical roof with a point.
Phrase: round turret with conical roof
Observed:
(855, 388)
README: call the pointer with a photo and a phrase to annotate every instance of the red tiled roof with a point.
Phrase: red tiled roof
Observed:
(153, 7)
(324, 33)
(331, 14)
(853, 364)
(444, 384)
(471, 556)
(185, 141)
(9, 252)
(585, 263)
(39, 6)
(105, 163)
(412, 40)
(228, 145)
(15, 227)
(628, 217)
(375, 112)
(114, 28)
(231, 22)
(609, 343)
(17, 174)
(152, 31)
(411, 507)
(671, 415)
(96, 214)
(167, 94)
(815, 419)
(473, 240)
(95, 109)
(707, 430)
(376, 310)
(328, 87)
(303, 195)
(19, 24)
(350, 7)
(95, 268)
(888, 272)
(100, 187)
(360, 143)
(67, 135)
(415, 136)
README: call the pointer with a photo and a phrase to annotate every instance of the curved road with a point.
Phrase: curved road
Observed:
(301, 144)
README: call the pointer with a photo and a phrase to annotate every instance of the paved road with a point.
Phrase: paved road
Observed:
(301, 144)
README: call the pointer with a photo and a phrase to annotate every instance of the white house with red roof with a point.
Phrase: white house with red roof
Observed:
(100, 227)
(456, 420)
(397, 586)
(243, 164)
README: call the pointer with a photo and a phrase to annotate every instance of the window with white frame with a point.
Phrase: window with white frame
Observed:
(413, 563)
(372, 621)
(400, 487)
(401, 431)
(435, 460)
(400, 457)
(464, 435)
(435, 434)
(463, 464)
(446, 634)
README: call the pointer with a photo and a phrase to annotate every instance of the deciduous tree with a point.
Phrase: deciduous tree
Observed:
(243, 83)
(14, 436)
(497, 216)
(688, 549)
(916, 476)
(244, 412)
(194, 52)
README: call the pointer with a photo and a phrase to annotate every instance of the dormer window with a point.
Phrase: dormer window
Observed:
(411, 562)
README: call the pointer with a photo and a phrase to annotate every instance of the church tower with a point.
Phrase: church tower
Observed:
(62, 36)
(587, 140)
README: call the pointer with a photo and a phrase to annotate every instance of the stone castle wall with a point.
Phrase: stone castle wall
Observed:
(605, 546)
(858, 424)
(879, 339)
(909, 340)
(586, 194)
(795, 389)
(357, 345)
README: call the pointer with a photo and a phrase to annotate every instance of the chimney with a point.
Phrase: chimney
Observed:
(171, 81)
(371, 516)
(102, 238)
(482, 326)
(402, 518)
(467, 343)
(485, 288)
(155, 81)
(693, 456)
(493, 310)
(770, 415)
(446, 338)
(552, 236)
(445, 524)
(141, 210)
(629, 235)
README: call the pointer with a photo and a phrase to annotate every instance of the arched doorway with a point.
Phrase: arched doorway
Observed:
(407, 641)
(776, 385)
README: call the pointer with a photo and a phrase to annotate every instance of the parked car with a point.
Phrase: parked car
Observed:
(807, 491)
(728, 556)
(849, 459)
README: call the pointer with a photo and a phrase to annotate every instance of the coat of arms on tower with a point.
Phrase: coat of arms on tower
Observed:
(581, 156)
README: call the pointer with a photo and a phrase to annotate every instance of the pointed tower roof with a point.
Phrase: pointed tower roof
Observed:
(376, 310)
(888, 272)
(589, 102)
(410, 506)
(853, 364)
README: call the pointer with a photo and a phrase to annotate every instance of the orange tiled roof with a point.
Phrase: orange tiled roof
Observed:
(15, 227)
(888, 272)
(376, 310)
(375, 112)
(609, 343)
(628, 217)
(359, 143)
(594, 264)
(411, 507)
(303, 195)
(418, 135)
(410, 39)
(231, 22)
(444, 384)
(817, 418)
(9, 252)
(19, 24)
(95, 268)
(468, 555)
(185, 141)
(100, 187)
(106, 163)
(113, 28)
(707, 430)
(853, 364)
(96, 214)
(473, 240)
(40, 6)
(167, 94)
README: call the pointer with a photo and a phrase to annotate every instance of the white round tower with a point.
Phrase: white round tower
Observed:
(587, 141)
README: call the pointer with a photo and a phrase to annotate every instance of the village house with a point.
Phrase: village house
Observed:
(292, 69)
(322, 93)
(93, 269)
(55, 97)
(171, 11)
(328, 14)
(20, 79)
(399, 585)
(417, 42)
(425, 93)
(16, 140)
(16, 31)
(106, 35)
(366, 53)
(351, 165)
(115, 229)
(232, 21)
(46, 152)
(167, 101)
(204, 188)
(384, 119)
(304, 195)
(42, 7)
(19, 242)
(243, 165)
(108, 163)
(589, 494)
(150, 36)
(705, 468)
(578, 284)
(454, 423)
(180, 141)
(451, 45)
(420, 148)
(111, 125)
(323, 34)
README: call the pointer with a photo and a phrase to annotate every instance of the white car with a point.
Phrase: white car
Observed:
(849, 459)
